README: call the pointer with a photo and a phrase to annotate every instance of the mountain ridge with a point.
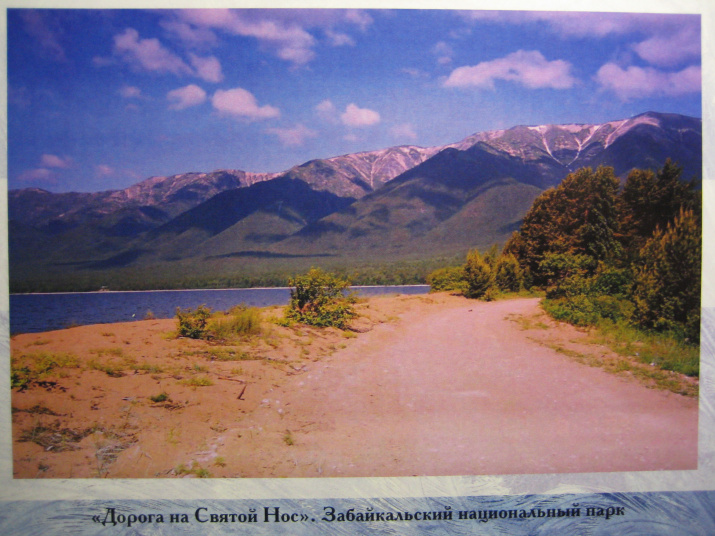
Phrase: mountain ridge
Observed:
(388, 203)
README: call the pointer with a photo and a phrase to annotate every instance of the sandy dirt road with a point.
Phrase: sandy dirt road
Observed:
(435, 385)
(464, 390)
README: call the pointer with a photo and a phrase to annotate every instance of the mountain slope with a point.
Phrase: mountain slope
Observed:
(158, 198)
(494, 178)
(399, 202)
(240, 218)
(355, 175)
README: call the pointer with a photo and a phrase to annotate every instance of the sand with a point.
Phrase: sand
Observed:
(423, 385)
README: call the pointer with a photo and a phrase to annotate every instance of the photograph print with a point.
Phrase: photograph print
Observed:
(310, 243)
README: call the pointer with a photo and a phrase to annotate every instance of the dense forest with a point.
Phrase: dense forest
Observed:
(600, 250)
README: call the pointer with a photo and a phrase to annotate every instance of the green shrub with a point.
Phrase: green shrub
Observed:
(197, 381)
(589, 310)
(446, 279)
(578, 310)
(161, 397)
(193, 322)
(318, 299)
(612, 281)
(478, 275)
(613, 308)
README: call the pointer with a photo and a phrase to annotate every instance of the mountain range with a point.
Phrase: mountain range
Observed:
(397, 203)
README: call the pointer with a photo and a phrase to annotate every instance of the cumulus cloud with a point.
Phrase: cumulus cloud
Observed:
(185, 97)
(293, 137)
(241, 103)
(208, 68)
(635, 82)
(54, 161)
(147, 54)
(359, 117)
(528, 68)
(671, 48)
(404, 131)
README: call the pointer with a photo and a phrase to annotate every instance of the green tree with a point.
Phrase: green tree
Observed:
(478, 275)
(666, 292)
(448, 278)
(578, 217)
(650, 200)
(508, 274)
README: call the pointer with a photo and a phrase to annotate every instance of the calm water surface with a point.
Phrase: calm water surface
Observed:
(30, 313)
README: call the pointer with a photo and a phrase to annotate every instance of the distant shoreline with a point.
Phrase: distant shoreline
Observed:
(190, 290)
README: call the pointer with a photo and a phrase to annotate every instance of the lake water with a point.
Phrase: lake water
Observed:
(31, 313)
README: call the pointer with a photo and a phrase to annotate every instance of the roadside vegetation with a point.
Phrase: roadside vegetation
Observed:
(625, 260)
(321, 299)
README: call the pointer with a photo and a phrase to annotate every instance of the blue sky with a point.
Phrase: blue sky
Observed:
(101, 99)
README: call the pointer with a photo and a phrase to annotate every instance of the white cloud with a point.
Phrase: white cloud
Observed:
(130, 92)
(38, 175)
(325, 107)
(39, 28)
(185, 97)
(188, 34)
(289, 41)
(528, 68)
(293, 137)
(327, 111)
(636, 82)
(241, 103)
(572, 23)
(359, 117)
(284, 32)
(147, 54)
(415, 73)
(669, 38)
(208, 68)
(338, 39)
(358, 17)
(671, 48)
(103, 170)
(404, 131)
(443, 52)
(54, 161)
(101, 61)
